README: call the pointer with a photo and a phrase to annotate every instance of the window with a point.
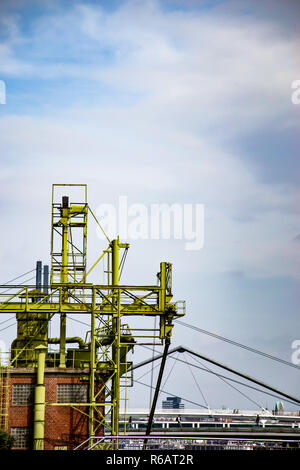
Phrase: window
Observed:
(72, 393)
(21, 436)
(23, 394)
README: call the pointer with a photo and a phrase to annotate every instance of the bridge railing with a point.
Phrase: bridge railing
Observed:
(131, 442)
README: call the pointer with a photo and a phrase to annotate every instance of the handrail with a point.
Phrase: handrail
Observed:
(101, 439)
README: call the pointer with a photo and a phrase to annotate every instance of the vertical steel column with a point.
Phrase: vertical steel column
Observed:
(39, 401)
(38, 274)
(92, 400)
(64, 279)
(64, 251)
(116, 342)
(46, 279)
(162, 286)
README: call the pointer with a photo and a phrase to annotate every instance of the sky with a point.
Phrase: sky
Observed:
(164, 102)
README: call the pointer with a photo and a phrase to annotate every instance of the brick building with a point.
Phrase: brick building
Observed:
(66, 425)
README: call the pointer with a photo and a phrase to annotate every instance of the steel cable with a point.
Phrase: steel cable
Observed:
(235, 343)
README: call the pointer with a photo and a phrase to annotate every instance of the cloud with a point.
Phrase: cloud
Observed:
(10, 66)
(174, 56)
(193, 80)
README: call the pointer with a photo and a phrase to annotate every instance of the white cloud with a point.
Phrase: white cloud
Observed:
(11, 66)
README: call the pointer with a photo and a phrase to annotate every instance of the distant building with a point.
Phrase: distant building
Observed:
(172, 403)
(279, 408)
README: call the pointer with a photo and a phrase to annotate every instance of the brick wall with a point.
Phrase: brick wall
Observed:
(22, 415)
(64, 425)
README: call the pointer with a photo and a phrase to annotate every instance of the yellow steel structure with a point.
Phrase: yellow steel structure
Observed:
(104, 352)
(4, 396)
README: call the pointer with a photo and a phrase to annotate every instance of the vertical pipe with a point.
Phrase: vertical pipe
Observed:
(92, 368)
(46, 279)
(38, 274)
(115, 262)
(62, 343)
(64, 251)
(64, 279)
(39, 401)
(162, 285)
(116, 343)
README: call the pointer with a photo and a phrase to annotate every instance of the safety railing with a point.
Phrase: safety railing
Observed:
(132, 442)
(25, 357)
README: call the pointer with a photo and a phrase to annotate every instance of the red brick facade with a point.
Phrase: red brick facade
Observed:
(64, 425)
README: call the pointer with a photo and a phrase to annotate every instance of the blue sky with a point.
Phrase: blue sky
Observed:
(165, 101)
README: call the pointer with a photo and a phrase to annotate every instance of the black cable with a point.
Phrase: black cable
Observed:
(18, 277)
(146, 373)
(230, 385)
(30, 279)
(8, 326)
(172, 395)
(197, 385)
(78, 321)
(14, 287)
(235, 343)
(171, 370)
(4, 321)
(122, 263)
